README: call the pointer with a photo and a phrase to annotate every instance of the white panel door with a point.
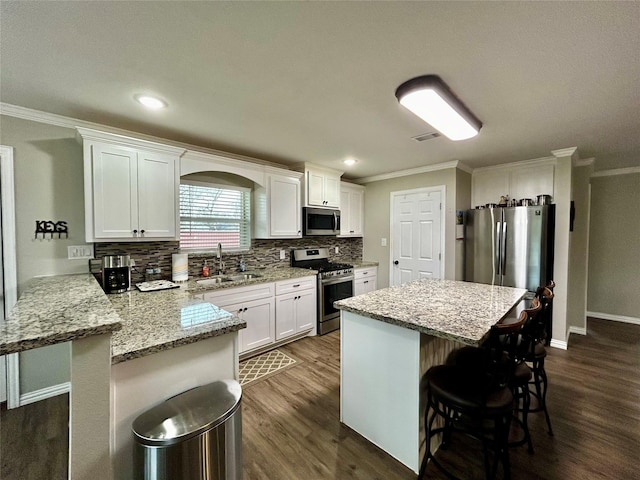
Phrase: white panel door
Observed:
(332, 191)
(115, 201)
(285, 213)
(285, 315)
(157, 215)
(315, 188)
(416, 249)
(260, 331)
(306, 310)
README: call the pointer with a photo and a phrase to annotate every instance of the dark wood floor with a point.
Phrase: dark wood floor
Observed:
(291, 428)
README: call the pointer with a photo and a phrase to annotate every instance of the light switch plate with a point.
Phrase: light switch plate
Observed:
(337, 249)
(79, 252)
(383, 242)
(283, 254)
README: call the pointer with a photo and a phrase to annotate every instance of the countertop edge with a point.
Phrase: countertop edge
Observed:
(32, 343)
(161, 347)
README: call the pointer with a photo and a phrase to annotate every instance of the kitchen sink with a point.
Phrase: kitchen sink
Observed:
(213, 280)
(217, 279)
(242, 276)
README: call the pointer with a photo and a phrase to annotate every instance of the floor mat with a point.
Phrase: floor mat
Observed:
(263, 365)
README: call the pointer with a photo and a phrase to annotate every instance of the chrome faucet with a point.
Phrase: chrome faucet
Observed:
(219, 256)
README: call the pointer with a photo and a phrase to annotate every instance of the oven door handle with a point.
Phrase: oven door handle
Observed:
(333, 281)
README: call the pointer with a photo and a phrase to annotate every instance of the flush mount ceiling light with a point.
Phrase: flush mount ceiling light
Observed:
(148, 101)
(430, 98)
(350, 162)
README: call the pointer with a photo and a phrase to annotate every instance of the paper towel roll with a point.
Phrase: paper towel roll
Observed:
(179, 267)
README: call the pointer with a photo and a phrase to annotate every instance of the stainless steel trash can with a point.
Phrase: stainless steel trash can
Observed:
(196, 435)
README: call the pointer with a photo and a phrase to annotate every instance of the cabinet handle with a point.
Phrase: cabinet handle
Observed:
(142, 233)
(135, 233)
(364, 273)
(351, 231)
(245, 309)
(296, 285)
(366, 281)
(239, 311)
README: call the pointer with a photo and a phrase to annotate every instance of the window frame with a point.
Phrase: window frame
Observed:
(249, 226)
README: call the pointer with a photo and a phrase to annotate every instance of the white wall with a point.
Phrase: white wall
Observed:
(377, 218)
(48, 186)
(614, 246)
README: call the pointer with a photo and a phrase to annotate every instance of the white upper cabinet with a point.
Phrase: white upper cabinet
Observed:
(517, 181)
(276, 211)
(351, 210)
(131, 188)
(322, 187)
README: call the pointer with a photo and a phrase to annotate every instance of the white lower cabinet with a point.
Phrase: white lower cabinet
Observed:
(365, 280)
(295, 313)
(273, 311)
(259, 313)
(296, 307)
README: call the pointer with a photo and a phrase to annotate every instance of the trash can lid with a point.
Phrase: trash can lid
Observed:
(188, 414)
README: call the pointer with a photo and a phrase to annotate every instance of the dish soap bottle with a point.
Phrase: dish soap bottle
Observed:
(205, 269)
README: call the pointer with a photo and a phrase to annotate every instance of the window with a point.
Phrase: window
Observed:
(212, 214)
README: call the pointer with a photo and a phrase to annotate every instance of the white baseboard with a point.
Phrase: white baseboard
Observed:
(615, 318)
(558, 344)
(43, 393)
(578, 330)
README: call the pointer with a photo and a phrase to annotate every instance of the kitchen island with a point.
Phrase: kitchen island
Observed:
(391, 337)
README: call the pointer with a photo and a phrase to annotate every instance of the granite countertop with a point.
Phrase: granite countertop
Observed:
(157, 321)
(57, 309)
(362, 263)
(266, 275)
(460, 311)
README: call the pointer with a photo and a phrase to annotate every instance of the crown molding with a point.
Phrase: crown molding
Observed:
(74, 123)
(414, 171)
(565, 152)
(521, 163)
(616, 171)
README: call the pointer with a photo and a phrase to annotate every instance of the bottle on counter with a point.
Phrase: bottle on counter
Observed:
(205, 269)
(243, 265)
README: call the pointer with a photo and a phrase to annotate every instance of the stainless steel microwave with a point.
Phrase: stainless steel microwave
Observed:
(320, 221)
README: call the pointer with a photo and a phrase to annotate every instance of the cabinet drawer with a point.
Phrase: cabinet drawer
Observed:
(229, 296)
(295, 285)
(365, 272)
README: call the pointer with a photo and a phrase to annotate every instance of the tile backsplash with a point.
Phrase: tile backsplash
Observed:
(263, 253)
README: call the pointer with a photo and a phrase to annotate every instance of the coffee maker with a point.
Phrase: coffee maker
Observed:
(116, 273)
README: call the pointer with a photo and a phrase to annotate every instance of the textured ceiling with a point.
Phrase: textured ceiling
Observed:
(315, 81)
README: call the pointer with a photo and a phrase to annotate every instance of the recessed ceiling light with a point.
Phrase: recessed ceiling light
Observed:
(151, 102)
(349, 162)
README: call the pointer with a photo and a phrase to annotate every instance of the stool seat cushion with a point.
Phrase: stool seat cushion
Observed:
(468, 390)
(522, 374)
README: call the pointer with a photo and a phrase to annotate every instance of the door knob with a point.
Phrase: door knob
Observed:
(395, 262)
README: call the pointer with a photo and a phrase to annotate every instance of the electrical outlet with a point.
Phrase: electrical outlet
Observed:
(283, 254)
(337, 249)
(79, 252)
(383, 242)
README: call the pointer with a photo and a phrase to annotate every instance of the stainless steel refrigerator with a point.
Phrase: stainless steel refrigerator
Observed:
(512, 246)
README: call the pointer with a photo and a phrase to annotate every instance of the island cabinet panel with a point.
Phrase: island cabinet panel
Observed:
(141, 383)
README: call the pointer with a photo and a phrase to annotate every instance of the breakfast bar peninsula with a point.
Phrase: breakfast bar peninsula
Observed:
(391, 337)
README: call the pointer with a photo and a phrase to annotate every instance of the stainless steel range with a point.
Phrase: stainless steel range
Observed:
(335, 282)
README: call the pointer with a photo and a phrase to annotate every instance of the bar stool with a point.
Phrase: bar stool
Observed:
(522, 375)
(535, 352)
(472, 394)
